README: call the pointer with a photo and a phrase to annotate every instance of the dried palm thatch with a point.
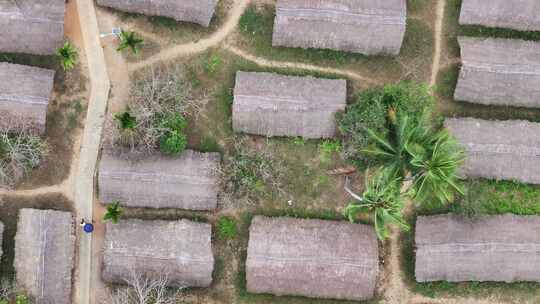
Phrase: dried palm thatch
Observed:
(502, 150)
(24, 95)
(195, 11)
(30, 26)
(369, 27)
(44, 252)
(190, 181)
(181, 250)
(276, 105)
(499, 72)
(492, 248)
(312, 258)
(514, 14)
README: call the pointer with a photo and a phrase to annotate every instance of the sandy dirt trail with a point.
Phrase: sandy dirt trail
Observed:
(441, 4)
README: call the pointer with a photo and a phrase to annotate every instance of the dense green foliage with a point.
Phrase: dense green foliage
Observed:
(226, 228)
(114, 211)
(68, 56)
(174, 141)
(126, 120)
(130, 40)
(370, 111)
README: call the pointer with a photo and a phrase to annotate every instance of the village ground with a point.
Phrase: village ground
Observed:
(296, 180)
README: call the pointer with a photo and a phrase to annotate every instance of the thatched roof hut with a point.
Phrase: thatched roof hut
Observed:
(370, 27)
(508, 150)
(24, 95)
(195, 11)
(190, 181)
(30, 26)
(44, 255)
(277, 105)
(179, 250)
(521, 15)
(499, 72)
(312, 258)
(492, 248)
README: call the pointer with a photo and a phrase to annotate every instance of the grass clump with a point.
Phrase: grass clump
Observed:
(226, 228)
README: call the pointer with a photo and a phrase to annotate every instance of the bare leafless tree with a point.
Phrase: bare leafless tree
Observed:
(155, 93)
(20, 151)
(142, 289)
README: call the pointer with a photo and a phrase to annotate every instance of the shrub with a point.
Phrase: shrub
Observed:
(226, 229)
(327, 148)
(68, 56)
(212, 64)
(370, 111)
(20, 152)
(174, 142)
(21, 299)
(126, 120)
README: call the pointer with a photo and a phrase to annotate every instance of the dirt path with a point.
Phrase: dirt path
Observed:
(203, 44)
(438, 42)
(294, 65)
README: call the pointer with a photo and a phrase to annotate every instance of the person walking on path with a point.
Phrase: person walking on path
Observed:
(87, 227)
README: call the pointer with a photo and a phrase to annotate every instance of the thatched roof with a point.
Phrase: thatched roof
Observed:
(44, 255)
(24, 94)
(508, 150)
(312, 258)
(189, 181)
(195, 11)
(370, 27)
(30, 26)
(515, 14)
(493, 248)
(276, 105)
(180, 250)
(499, 72)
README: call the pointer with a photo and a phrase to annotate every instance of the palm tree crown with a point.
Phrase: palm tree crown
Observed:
(68, 56)
(114, 211)
(129, 40)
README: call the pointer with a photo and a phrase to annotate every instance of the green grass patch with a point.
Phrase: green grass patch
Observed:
(495, 32)
(226, 228)
(447, 82)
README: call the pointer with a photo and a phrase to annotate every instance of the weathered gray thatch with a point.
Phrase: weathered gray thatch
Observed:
(190, 181)
(44, 252)
(24, 94)
(180, 250)
(493, 248)
(499, 72)
(276, 105)
(369, 27)
(195, 11)
(1, 237)
(508, 150)
(312, 258)
(515, 14)
(30, 26)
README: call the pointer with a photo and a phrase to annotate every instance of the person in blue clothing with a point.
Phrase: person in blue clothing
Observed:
(87, 227)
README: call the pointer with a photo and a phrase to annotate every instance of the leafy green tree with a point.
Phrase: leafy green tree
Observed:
(114, 211)
(382, 201)
(68, 56)
(130, 40)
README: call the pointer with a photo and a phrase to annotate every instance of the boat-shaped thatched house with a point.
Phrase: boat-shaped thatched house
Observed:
(499, 72)
(370, 27)
(312, 258)
(277, 105)
(501, 248)
(181, 251)
(190, 181)
(44, 255)
(30, 26)
(521, 15)
(195, 11)
(25, 92)
(502, 150)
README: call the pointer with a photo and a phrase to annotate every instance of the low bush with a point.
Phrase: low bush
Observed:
(226, 228)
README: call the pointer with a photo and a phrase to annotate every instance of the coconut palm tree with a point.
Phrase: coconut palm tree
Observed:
(114, 211)
(68, 56)
(129, 40)
(381, 200)
(413, 151)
